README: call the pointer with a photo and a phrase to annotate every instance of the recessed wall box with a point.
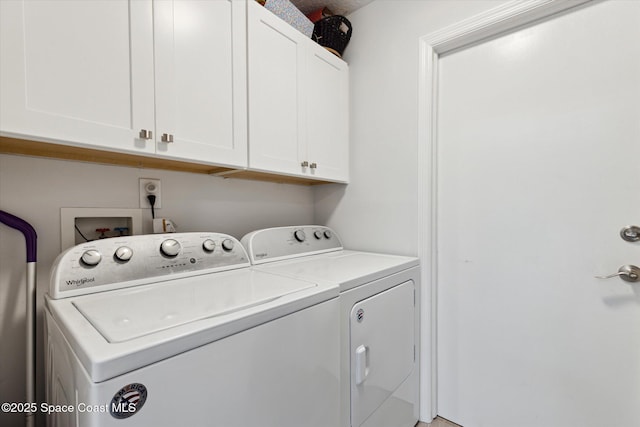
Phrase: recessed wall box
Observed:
(78, 222)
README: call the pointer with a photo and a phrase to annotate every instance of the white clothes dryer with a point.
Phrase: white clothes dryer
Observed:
(380, 318)
(171, 330)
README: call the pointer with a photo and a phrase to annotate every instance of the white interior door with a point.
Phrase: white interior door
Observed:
(539, 148)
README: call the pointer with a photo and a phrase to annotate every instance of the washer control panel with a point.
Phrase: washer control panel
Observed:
(134, 260)
(273, 244)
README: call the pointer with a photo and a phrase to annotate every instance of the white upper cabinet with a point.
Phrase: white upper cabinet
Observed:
(276, 94)
(215, 82)
(327, 115)
(82, 73)
(200, 80)
(77, 72)
(298, 102)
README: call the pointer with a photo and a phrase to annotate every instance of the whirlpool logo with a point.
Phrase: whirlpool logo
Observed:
(80, 282)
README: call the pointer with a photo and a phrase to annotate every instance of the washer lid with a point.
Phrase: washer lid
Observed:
(132, 313)
(122, 330)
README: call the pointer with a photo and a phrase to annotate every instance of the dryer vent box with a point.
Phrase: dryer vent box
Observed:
(79, 225)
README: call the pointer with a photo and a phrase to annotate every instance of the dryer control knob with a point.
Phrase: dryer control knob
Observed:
(123, 253)
(170, 248)
(299, 235)
(327, 234)
(227, 245)
(208, 245)
(91, 258)
(318, 234)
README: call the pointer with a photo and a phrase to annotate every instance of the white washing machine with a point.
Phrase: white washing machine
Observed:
(379, 299)
(178, 330)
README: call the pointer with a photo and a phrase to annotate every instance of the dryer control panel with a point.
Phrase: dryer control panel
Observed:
(274, 244)
(121, 262)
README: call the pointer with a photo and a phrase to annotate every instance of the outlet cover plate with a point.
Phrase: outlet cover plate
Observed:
(144, 202)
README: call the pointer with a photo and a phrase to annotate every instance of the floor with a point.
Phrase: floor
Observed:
(438, 422)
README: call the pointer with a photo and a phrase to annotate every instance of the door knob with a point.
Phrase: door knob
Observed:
(630, 233)
(628, 273)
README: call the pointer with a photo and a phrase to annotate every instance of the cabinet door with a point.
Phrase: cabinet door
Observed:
(77, 72)
(276, 124)
(201, 80)
(327, 79)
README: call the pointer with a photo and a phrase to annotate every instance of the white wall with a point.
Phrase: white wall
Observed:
(35, 189)
(378, 211)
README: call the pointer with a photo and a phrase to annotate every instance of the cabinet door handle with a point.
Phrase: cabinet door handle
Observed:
(146, 134)
(167, 137)
(304, 164)
(313, 165)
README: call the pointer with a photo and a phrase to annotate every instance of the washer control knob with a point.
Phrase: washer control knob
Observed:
(123, 253)
(318, 234)
(227, 245)
(327, 234)
(208, 245)
(299, 235)
(170, 248)
(91, 258)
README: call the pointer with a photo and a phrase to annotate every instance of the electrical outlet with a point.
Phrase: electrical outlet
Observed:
(150, 186)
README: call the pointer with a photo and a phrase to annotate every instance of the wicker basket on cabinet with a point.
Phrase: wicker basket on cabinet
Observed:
(333, 33)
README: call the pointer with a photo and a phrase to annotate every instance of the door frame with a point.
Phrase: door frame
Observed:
(496, 21)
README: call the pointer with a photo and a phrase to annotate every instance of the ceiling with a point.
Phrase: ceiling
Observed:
(339, 7)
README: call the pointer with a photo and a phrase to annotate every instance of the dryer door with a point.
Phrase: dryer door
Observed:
(382, 348)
